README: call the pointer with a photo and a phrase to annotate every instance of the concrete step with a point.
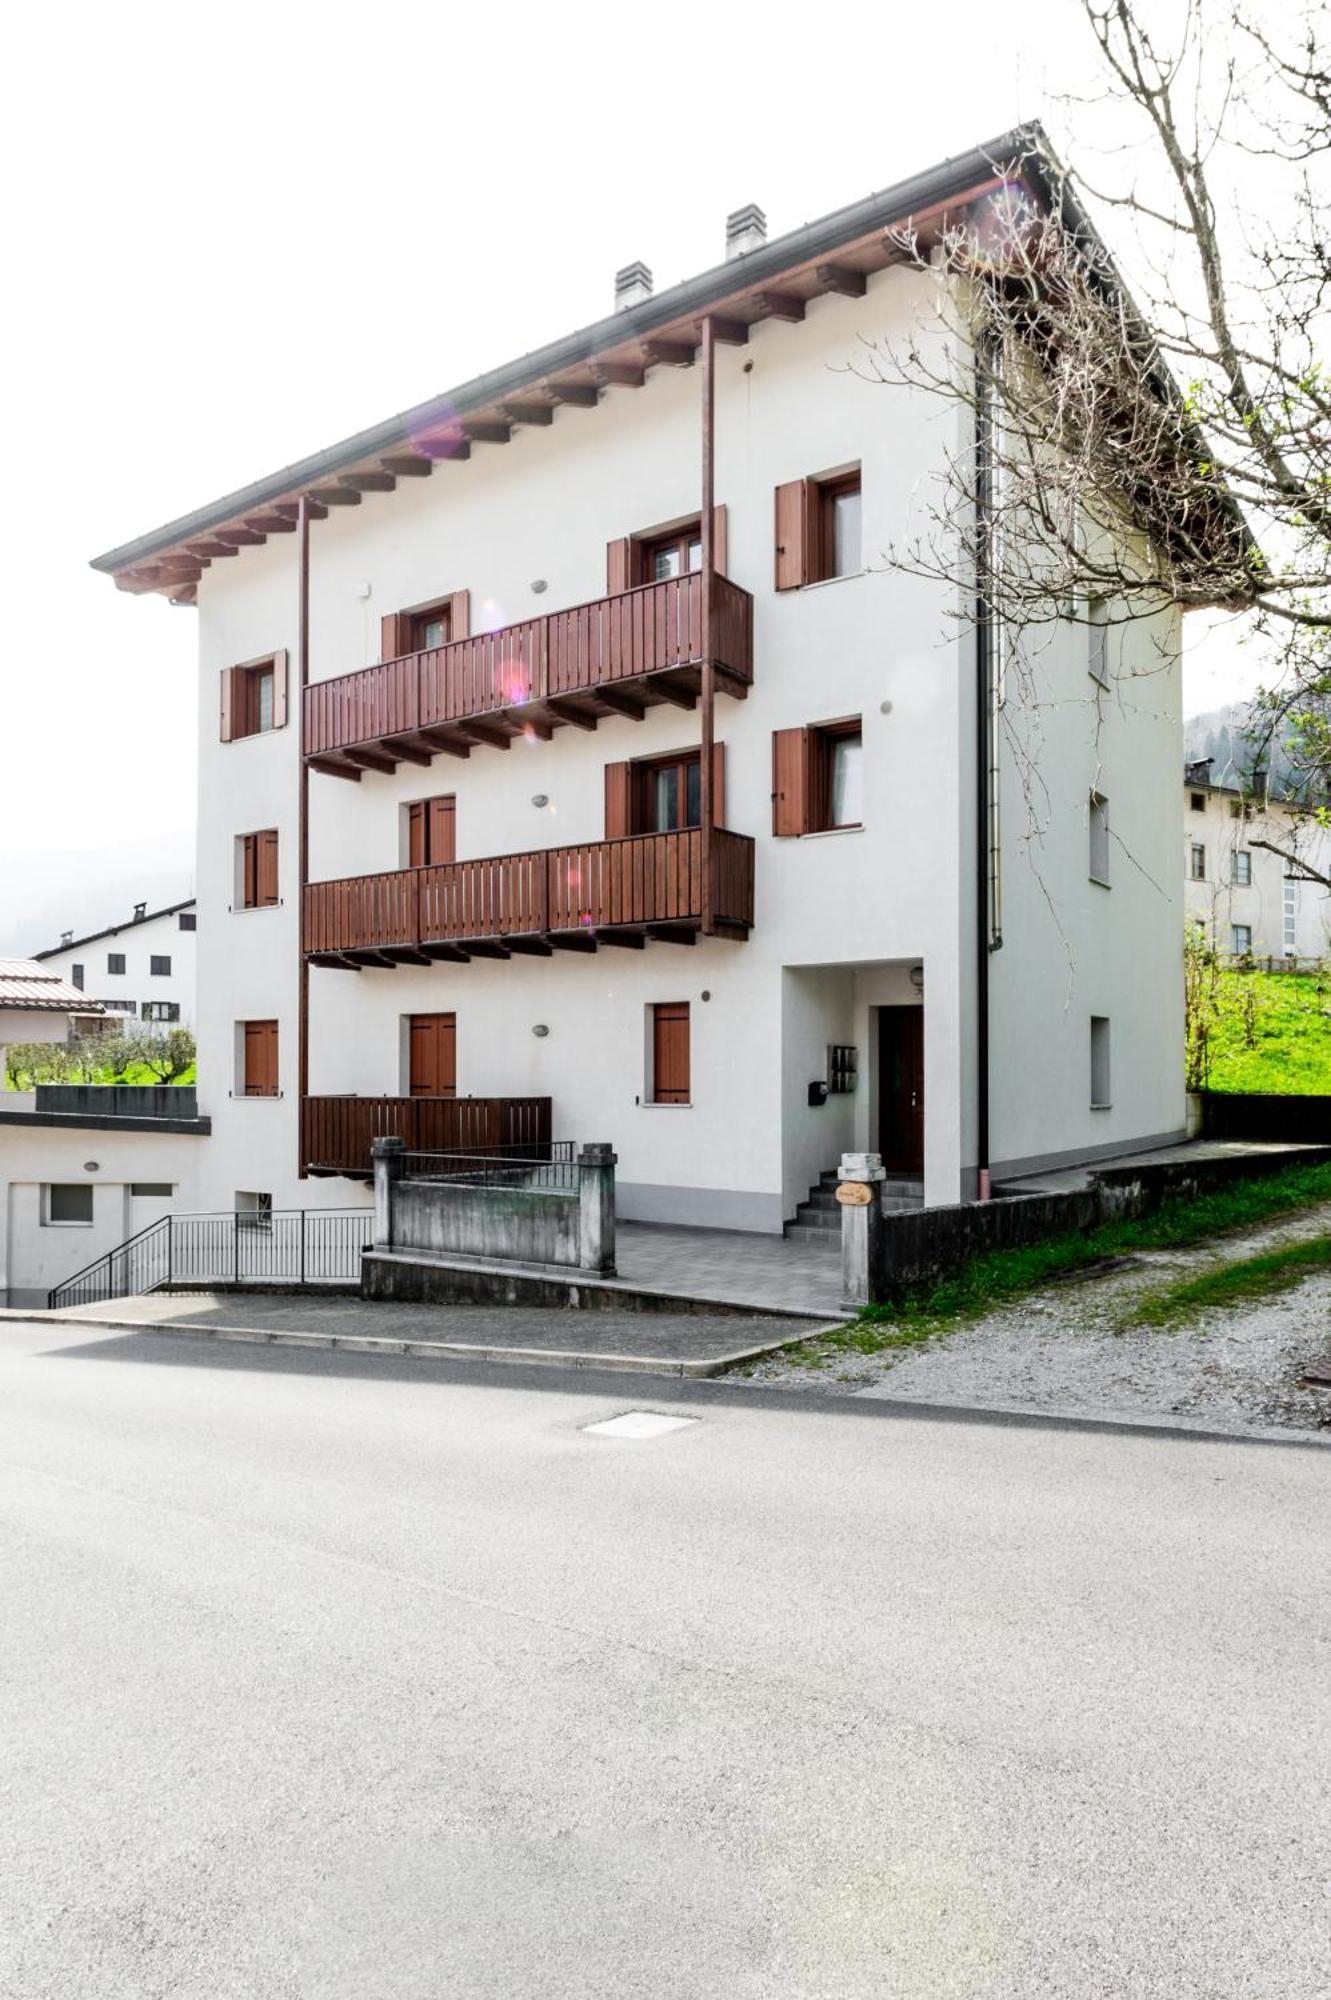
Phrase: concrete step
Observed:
(821, 1198)
(826, 1239)
(902, 1204)
(810, 1217)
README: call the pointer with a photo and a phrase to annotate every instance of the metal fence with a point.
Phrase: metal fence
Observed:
(549, 1165)
(287, 1246)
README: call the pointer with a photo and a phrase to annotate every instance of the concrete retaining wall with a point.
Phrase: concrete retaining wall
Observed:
(120, 1100)
(1231, 1115)
(525, 1225)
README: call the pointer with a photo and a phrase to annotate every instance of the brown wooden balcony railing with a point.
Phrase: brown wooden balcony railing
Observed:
(617, 656)
(606, 892)
(336, 1132)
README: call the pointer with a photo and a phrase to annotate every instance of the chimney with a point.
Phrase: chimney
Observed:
(746, 229)
(140, 912)
(632, 285)
(66, 937)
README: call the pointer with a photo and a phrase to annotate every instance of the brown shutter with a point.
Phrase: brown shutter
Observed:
(618, 566)
(432, 1049)
(228, 703)
(260, 1058)
(795, 519)
(249, 885)
(718, 784)
(394, 638)
(670, 1052)
(618, 800)
(790, 781)
(459, 615)
(719, 539)
(280, 688)
(441, 820)
(416, 835)
(265, 872)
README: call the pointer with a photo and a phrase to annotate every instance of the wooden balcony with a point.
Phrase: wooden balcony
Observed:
(336, 1132)
(619, 892)
(618, 656)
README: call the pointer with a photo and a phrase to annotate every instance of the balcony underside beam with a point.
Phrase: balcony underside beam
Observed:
(533, 944)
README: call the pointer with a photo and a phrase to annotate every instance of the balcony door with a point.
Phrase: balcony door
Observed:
(432, 1055)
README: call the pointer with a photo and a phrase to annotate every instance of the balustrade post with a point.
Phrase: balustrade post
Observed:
(388, 1154)
(596, 1208)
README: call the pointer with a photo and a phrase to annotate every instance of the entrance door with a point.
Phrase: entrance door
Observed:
(433, 1055)
(901, 1088)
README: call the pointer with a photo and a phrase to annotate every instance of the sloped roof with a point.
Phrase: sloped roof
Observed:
(113, 930)
(25, 984)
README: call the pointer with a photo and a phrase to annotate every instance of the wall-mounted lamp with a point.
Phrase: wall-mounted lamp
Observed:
(705, 994)
(364, 590)
(917, 978)
(539, 584)
(884, 708)
(91, 1166)
(540, 1030)
(540, 799)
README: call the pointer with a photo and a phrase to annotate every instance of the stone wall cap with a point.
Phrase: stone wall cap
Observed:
(862, 1167)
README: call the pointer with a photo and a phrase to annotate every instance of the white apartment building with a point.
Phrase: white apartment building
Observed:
(468, 872)
(1252, 866)
(143, 968)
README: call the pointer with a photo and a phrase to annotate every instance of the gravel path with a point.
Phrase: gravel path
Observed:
(1064, 1349)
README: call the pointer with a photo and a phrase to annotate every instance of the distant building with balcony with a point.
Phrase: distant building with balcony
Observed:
(574, 762)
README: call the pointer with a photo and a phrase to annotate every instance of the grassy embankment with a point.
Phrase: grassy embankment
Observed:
(1272, 1032)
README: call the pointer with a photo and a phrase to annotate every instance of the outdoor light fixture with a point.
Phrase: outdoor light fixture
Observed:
(540, 1030)
(91, 1166)
(540, 799)
(705, 994)
(539, 584)
(884, 708)
(917, 978)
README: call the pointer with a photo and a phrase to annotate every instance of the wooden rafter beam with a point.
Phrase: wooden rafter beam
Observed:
(778, 305)
(479, 430)
(440, 740)
(532, 947)
(578, 395)
(564, 711)
(677, 696)
(408, 466)
(620, 703)
(409, 753)
(667, 354)
(331, 768)
(271, 524)
(371, 760)
(444, 445)
(209, 549)
(335, 496)
(290, 510)
(731, 332)
(242, 538)
(368, 482)
(632, 939)
(573, 940)
(480, 732)
(840, 278)
(529, 413)
(618, 374)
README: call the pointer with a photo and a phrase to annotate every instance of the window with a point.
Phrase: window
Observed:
(1240, 868)
(1290, 914)
(68, 1205)
(658, 554)
(115, 961)
(254, 697)
(76, 976)
(257, 857)
(1240, 940)
(258, 1055)
(122, 1006)
(152, 1190)
(1197, 800)
(662, 794)
(1198, 862)
(1100, 1099)
(670, 1080)
(818, 777)
(431, 831)
(254, 1210)
(161, 1010)
(818, 532)
(427, 626)
(1239, 810)
(1097, 619)
(1099, 832)
(159, 967)
(675, 554)
(188, 920)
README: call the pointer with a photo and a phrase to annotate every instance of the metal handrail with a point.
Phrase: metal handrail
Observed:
(225, 1246)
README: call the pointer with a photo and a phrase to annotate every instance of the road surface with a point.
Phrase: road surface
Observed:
(331, 1676)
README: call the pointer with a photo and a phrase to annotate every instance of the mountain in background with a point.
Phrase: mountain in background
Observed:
(49, 892)
(1224, 735)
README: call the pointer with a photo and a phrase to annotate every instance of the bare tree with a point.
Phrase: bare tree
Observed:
(1173, 450)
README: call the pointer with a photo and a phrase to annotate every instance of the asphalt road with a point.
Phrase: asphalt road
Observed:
(324, 1675)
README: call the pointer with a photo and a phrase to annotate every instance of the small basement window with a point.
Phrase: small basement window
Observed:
(68, 1205)
(1100, 1098)
(152, 1190)
(253, 1209)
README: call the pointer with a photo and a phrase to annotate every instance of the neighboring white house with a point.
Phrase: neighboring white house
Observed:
(37, 1004)
(512, 895)
(143, 968)
(1254, 899)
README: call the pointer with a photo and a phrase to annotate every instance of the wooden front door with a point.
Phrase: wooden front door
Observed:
(433, 1055)
(901, 1088)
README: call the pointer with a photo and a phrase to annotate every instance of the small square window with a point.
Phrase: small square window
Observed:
(253, 1210)
(1198, 802)
(159, 967)
(69, 1204)
(115, 961)
(188, 920)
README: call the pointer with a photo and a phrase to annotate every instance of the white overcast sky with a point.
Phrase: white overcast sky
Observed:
(238, 234)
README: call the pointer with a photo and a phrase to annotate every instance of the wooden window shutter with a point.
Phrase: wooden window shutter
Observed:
(618, 800)
(790, 781)
(720, 548)
(394, 638)
(249, 855)
(265, 880)
(796, 537)
(618, 566)
(228, 703)
(670, 1052)
(261, 1059)
(440, 822)
(280, 688)
(459, 615)
(416, 834)
(718, 784)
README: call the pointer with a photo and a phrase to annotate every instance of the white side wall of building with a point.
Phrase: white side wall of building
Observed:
(161, 938)
(36, 1254)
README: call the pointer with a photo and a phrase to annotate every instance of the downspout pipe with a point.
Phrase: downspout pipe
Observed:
(706, 805)
(985, 659)
(303, 838)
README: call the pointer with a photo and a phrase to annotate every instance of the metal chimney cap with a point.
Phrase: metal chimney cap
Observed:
(746, 229)
(633, 284)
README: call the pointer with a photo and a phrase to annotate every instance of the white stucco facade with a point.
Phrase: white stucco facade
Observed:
(845, 922)
(1248, 897)
(141, 969)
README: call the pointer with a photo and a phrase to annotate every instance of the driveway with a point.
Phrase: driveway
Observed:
(331, 1676)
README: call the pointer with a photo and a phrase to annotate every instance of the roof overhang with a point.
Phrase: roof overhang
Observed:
(776, 281)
